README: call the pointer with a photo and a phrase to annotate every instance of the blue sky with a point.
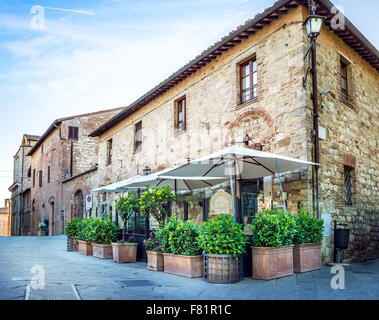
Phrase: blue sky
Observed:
(87, 62)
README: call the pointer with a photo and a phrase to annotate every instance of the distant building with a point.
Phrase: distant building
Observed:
(5, 219)
(20, 210)
(65, 152)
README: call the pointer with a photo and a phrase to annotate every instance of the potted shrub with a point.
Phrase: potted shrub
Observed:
(272, 244)
(84, 238)
(72, 231)
(102, 234)
(154, 253)
(181, 252)
(308, 237)
(126, 251)
(223, 241)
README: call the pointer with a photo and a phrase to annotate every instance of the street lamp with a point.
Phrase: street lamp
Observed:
(146, 171)
(313, 25)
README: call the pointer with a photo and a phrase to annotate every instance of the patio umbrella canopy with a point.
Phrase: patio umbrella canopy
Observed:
(159, 179)
(118, 186)
(241, 162)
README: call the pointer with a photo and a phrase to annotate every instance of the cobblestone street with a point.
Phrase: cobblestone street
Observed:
(72, 276)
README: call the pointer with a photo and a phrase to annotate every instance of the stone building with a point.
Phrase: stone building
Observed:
(64, 152)
(249, 87)
(20, 225)
(5, 219)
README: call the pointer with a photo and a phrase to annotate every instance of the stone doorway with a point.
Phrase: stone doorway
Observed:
(51, 219)
(78, 207)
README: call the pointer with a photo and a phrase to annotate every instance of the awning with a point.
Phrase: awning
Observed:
(118, 186)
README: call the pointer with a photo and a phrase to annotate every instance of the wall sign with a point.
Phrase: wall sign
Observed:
(89, 201)
(221, 203)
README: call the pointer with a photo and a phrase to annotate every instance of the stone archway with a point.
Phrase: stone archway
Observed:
(257, 123)
(78, 206)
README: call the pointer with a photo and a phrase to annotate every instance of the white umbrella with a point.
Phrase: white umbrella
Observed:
(246, 164)
(118, 186)
(159, 179)
(239, 162)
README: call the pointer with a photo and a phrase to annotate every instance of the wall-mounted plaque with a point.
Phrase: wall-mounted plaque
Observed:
(221, 203)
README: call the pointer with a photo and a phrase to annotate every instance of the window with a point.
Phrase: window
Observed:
(73, 133)
(30, 172)
(42, 149)
(348, 184)
(109, 151)
(48, 174)
(344, 82)
(34, 178)
(180, 114)
(248, 80)
(40, 178)
(138, 136)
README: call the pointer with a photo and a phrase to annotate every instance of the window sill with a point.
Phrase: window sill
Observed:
(241, 105)
(347, 103)
(178, 132)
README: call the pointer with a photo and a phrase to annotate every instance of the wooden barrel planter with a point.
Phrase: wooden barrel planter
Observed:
(222, 269)
(71, 244)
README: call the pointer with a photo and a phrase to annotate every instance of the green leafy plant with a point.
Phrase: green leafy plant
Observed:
(73, 227)
(155, 202)
(273, 228)
(222, 235)
(164, 233)
(180, 238)
(126, 206)
(98, 231)
(309, 229)
(131, 239)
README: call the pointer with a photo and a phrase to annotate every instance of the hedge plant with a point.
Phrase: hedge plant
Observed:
(273, 228)
(179, 237)
(98, 231)
(222, 235)
(73, 227)
(309, 229)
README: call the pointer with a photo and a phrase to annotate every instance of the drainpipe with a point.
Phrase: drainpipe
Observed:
(315, 122)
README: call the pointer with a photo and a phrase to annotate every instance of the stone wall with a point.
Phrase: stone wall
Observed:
(57, 153)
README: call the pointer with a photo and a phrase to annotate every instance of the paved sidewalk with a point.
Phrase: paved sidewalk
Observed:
(94, 279)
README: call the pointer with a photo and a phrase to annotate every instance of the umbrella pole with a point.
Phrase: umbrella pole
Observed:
(176, 201)
(233, 193)
(281, 186)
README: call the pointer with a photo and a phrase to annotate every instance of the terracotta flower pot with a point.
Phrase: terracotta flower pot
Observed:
(85, 248)
(124, 252)
(102, 251)
(71, 244)
(155, 261)
(272, 263)
(186, 266)
(306, 257)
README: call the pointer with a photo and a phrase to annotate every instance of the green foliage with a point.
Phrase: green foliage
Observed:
(131, 239)
(273, 228)
(180, 238)
(309, 229)
(155, 202)
(222, 235)
(126, 206)
(98, 231)
(73, 227)
(164, 233)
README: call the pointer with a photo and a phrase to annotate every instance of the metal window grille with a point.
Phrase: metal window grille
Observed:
(348, 185)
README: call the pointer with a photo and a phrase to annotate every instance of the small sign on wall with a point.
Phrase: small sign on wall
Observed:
(89, 201)
(327, 217)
